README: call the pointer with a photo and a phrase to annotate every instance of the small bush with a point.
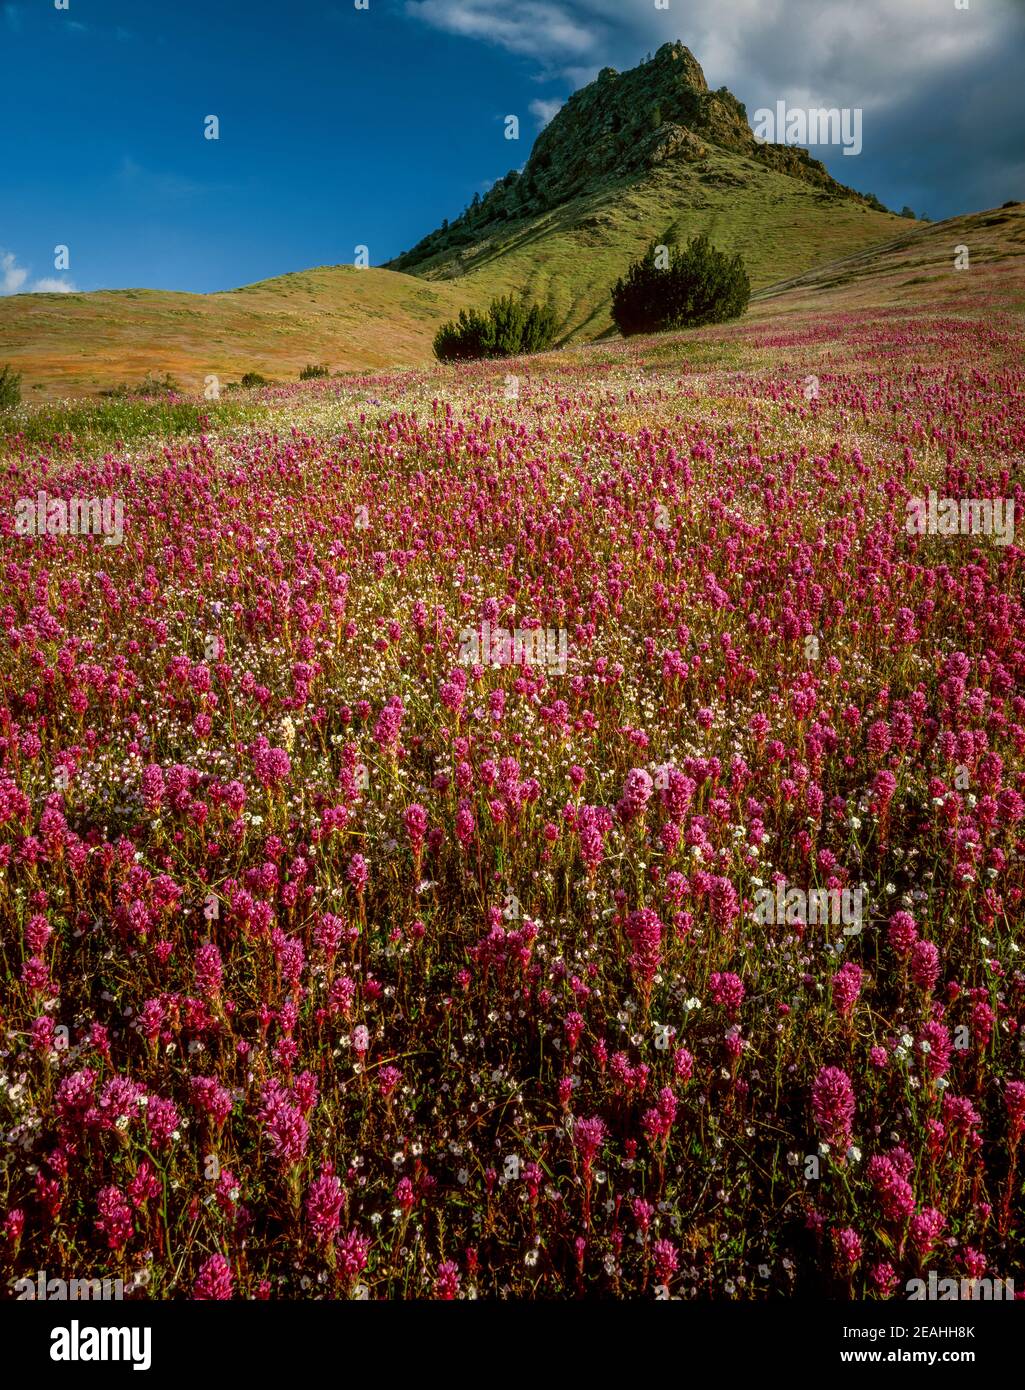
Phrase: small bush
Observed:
(10, 387)
(673, 288)
(507, 328)
(254, 379)
(151, 385)
(312, 373)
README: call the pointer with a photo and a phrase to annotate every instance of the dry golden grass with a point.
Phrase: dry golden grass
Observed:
(345, 318)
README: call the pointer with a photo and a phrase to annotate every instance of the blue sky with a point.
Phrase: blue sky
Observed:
(341, 127)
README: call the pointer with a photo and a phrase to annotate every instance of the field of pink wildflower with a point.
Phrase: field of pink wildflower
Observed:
(338, 964)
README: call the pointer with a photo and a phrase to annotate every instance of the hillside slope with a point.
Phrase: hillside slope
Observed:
(628, 158)
(916, 267)
(346, 318)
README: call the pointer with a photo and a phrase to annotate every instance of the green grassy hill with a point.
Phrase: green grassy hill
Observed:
(341, 316)
(572, 255)
(917, 267)
(630, 157)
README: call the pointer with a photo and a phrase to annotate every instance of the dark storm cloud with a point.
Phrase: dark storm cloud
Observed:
(939, 86)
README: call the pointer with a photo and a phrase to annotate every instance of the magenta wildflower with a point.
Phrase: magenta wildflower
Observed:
(1014, 1102)
(902, 933)
(894, 1193)
(846, 987)
(849, 1249)
(446, 1283)
(351, 1253)
(115, 1219)
(833, 1105)
(636, 795)
(926, 1229)
(925, 965)
(357, 873)
(323, 1207)
(666, 1259)
(727, 990)
(644, 930)
(588, 1137)
(214, 1280)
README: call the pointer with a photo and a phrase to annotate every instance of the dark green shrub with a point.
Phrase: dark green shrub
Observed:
(507, 328)
(10, 387)
(254, 379)
(670, 287)
(461, 338)
(312, 372)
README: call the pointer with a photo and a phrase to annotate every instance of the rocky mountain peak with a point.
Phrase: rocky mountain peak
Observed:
(619, 126)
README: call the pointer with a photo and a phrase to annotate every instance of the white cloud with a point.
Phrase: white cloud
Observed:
(545, 110)
(12, 276)
(871, 53)
(939, 87)
(536, 29)
(51, 285)
(14, 279)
